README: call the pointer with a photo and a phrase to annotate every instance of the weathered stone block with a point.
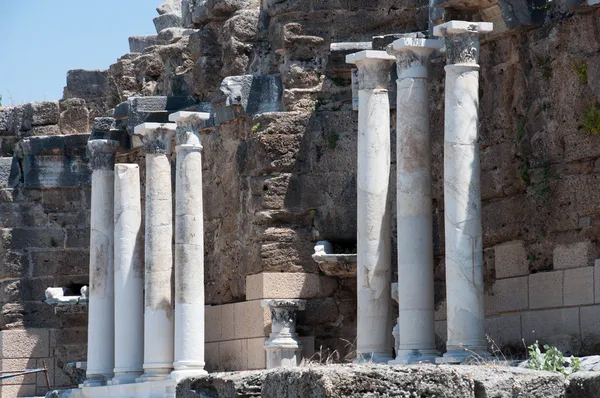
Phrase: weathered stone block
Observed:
(511, 259)
(22, 238)
(232, 355)
(137, 44)
(597, 281)
(583, 385)
(165, 21)
(580, 254)
(64, 200)
(557, 327)
(227, 322)
(41, 131)
(250, 320)
(504, 331)
(60, 262)
(288, 285)
(248, 95)
(30, 343)
(22, 215)
(87, 84)
(16, 390)
(546, 289)
(511, 294)
(579, 286)
(16, 365)
(13, 264)
(257, 358)
(44, 113)
(10, 172)
(212, 316)
(211, 356)
(590, 326)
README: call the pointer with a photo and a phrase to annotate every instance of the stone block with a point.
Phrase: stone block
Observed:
(510, 294)
(557, 327)
(60, 262)
(580, 254)
(227, 322)
(503, 331)
(40, 380)
(212, 316)
(15, 365)
(579, 286)
(546, 289)
(63, 200)
(511, 259)
(44, 113)
(211, 356)
(597, 281)
(103, 124)
(23, 238)
(248, 95)
(74, 117)
(30, 343)
(87, 84)
(42, 131)
(137, 44)
(13, 264)
(10, 172)
(583, 385)
(16, 390)
(77, 237)
(257, 356)
(251, 320)
(590, 324)
(441, 335)
(232, 355)
(288, 285)
(165, 21)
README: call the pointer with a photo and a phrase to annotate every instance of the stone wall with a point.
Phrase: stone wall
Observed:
(44, 240)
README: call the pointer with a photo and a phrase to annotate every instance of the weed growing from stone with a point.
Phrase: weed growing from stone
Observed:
(255, 128)
(552, 360)
(591, 120)
(580, 69)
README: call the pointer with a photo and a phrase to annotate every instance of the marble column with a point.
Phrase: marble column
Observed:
(416, 324)
(100, 355)
(189, 247)
(158, 303)
(462, 192)
(129, 275)
(374, 320)
(283, 346)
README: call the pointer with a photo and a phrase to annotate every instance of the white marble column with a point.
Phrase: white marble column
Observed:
(129, 275)
(189, 247)
(158, 303)
(100, 355)
(462, 192)
(374, 323)
(283, 346)
(416, 324)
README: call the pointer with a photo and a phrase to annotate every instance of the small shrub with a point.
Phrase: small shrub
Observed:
(580, 69)
(255, 128)
(591, 120)
(552, 360)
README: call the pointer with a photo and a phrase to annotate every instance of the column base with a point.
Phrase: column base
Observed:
(154, 374)
(373, 357)
(124, 378)
(407, 357)
(464, 355)
(186, 373)
(94, 382)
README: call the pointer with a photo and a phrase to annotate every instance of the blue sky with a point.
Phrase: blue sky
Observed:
(40, 40)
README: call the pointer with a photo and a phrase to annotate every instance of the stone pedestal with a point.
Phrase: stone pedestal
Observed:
(100, 355)
(373, 337)
(416, 324)
(189, 247)
(158, 304)
(283, 346)
(129, 275)
(462, 192)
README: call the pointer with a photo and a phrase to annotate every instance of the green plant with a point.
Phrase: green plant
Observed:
(552, 360)
(524, 173)
(531, 258)
(0, 100)
(580, 69)
(545, 65)
(591, 120)
(255, 128)
(332, 140)
(313, 213)
(545, 7)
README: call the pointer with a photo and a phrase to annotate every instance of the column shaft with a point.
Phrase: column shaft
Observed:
(462, 192)
(129, 275)
(189, 247)
(374, 324)
(100, 356)
(416, 324)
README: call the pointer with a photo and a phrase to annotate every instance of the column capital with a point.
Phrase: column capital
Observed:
(412, 56)
(462, 40)
(188, 126)
(373, 68)
(156, 136)
(102, 154)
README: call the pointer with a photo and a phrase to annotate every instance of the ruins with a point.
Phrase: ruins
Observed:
(279, 184)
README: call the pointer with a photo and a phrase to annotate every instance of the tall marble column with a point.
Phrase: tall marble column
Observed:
(416, 324)
(129, 275)
(189, 247)
(100, 355)
(462, 192)
(374, 323)
(158, 303)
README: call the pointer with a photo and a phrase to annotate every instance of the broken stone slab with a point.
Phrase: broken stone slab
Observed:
(223, 385)
(55, 161)
(87, 84)
(165, 21)
(10, 172)
(248, 95)
(43, 113)
(338, 265)
(169, 6)
(583, 385)
(170, 35)
(138, 44)
(382, 42)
